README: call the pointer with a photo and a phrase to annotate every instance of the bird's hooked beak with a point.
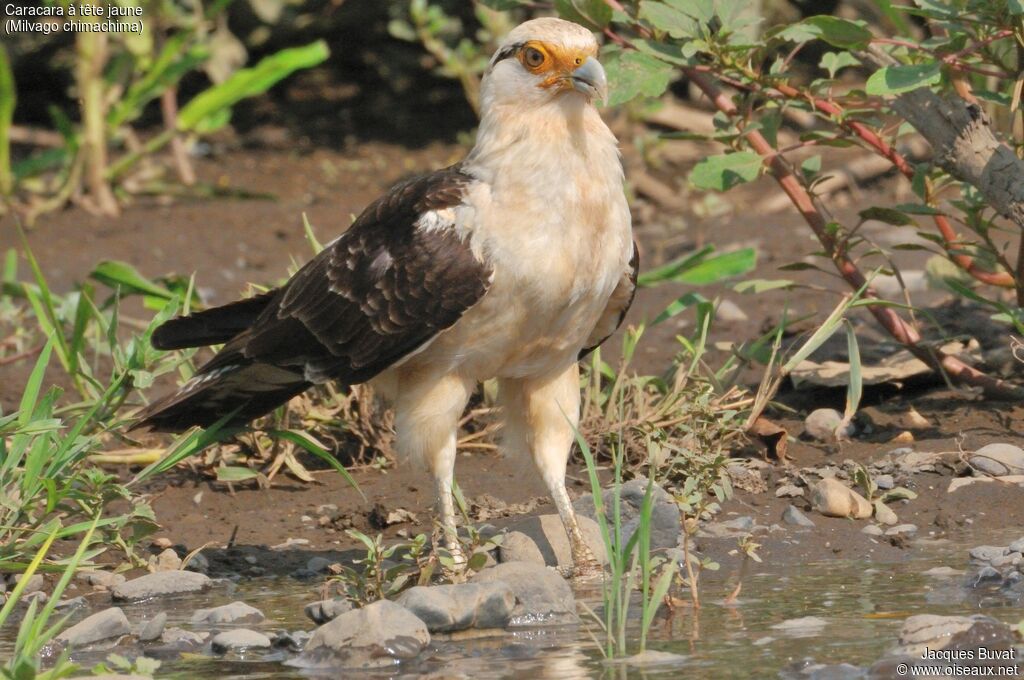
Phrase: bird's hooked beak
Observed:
(589, 79)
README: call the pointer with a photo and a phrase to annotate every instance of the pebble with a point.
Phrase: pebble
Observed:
(236, 612)
(239, 639)
(542, 595)
(162, 543)
(34, 583)
(788, 491)
(380, 634)
(449, 608)
(160, 584)
(986, 553)
(998, 460)
(884, 482)
(101, 579)
(1016, 546)
(109, 623)
(872, 530)
(729, 311)
(821, 424)
(549, 541)
(153, 628)
(666, 521)
(832, 498)
(184, 639)
(907, 529)
(792, 515)
(168, 560)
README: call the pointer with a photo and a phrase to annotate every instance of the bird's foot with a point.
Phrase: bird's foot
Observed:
(454, 564)
(585, 567)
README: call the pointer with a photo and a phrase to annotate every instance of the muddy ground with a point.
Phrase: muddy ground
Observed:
(228, 242)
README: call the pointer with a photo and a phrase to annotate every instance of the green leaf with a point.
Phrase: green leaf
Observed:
(236, 474)
(248, 82)
(594, 14)
(833, 62)
(122, 275)
(723, 172)
(305, 441)
(891, 216)
(849, 35)
(1015, 7)
(898, 494)
(633, 74)
(8, 95)
(762, 285)
(674, 20)
(701, 268)
(904, 78)
(679, 305)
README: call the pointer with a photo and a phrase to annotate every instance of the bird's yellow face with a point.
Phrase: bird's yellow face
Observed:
(562, 68)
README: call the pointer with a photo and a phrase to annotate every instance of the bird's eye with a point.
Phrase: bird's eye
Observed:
(533, 57)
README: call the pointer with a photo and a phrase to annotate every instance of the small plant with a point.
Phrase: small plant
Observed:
(385, 571)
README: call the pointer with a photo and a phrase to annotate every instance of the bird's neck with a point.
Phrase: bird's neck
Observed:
(537, 144)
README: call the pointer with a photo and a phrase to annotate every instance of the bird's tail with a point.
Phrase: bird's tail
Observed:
(246, 390)
(230, 383)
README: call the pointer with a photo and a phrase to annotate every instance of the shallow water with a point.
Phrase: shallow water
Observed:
(863, 605)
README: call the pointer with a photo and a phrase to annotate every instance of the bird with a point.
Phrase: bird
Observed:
(513, 264)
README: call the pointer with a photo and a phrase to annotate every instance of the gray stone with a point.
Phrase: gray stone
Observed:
(872, 530)
(198, 562)
(806, 626)
(1017, 546)
(729, 311)
(153, 628)
(542, 595)
(318, 564)
(236, 612)
(550, 540)
(326, 610)
(832, 498)
(741, 524)
(35, 582)
(183, 639)
(380, 634)
(902, 529)
(449, 608)
(986, 553)
(160, 584)
(884, 482)
(820, 424)
(998, 460)
(71, 604)
(666, 522)
(928, 631)
(518, 547)
(239, 639)
(788, 491)
(109, 623)
(792, 515)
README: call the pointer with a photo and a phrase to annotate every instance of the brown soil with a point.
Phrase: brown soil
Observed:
(229, 242)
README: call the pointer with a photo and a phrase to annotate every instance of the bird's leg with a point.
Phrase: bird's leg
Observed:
(427, 412)
(446, 513)
(542, 416)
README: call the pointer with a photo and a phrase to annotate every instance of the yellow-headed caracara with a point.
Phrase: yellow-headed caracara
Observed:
(512, 264)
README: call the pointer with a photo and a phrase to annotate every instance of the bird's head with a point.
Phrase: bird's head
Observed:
(544, 59)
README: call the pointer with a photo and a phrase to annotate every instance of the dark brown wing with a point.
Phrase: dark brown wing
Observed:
(618, 304)
(382, 290)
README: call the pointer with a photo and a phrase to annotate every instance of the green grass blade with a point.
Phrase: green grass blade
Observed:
(8, 98)
(306, 442)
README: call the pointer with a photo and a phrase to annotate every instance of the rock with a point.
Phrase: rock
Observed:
(902, 529)
(34, 583)
(729, 311)
(160, 584)
(986, 553)
(550, 540)
(666, 522)
(998, 460)
(1016, 546)
(884, 482)
(832, 498)
(1008, 560)
(872, 530)
(806, 626)
(236, 612)
(791, 515)
(102, 579)
(884, 514)
(456, 607)
(821, 425)
(38, 596)
(788, 491)
(380, 634)
(162, 543)
(542, 595)
(168, 560)
(518, 547)
(71, 604)
(109, 623)
(318, 565)
(199, 563)
(239, 639)
(183, 639)
(325, 610)
(152, 629)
